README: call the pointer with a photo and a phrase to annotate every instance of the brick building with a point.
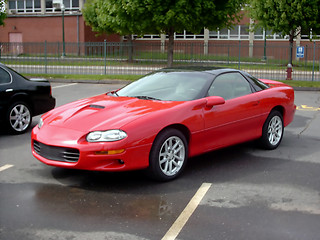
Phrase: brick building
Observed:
(40, 21)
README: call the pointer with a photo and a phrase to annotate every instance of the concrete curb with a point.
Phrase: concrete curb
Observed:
(103, 81)
(306, 89)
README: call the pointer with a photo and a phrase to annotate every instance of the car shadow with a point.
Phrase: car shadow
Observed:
(220, 165)
(126, 195)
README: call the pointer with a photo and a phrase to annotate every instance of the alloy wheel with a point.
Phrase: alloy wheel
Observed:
(275, 130)
(172, 156)
(19, 117)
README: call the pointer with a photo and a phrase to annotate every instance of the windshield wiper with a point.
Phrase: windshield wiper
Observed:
(113, 93)
(146, 98)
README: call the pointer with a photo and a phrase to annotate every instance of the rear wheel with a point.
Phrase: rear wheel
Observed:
(19, 117)
(272, 131)
(168, 155)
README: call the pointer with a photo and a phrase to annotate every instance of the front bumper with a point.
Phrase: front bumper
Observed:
(79, 154)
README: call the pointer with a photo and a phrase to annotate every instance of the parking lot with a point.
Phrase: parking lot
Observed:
(241, 192)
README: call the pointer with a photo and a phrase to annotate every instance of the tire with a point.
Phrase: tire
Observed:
(168, 155)
(19, 117)
(272, 131)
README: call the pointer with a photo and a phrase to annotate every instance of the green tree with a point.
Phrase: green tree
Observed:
(3, 14)
(124, 17)
(193, 16)
(288, 17)
(127, 17)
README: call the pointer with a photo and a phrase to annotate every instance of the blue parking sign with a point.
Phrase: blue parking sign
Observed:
(300, 52)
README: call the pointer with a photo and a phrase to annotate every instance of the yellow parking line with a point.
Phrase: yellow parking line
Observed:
(307, 108)
(5, 167)
(187, 212)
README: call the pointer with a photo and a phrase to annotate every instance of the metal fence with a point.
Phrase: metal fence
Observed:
(264, 61)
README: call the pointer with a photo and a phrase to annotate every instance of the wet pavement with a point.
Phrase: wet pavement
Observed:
(253, 193)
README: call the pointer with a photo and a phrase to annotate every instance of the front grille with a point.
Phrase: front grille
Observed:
(56, 153)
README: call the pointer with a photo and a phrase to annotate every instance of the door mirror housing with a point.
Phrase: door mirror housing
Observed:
(214, 101)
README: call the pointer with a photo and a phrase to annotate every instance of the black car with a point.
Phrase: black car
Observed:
(21, 99)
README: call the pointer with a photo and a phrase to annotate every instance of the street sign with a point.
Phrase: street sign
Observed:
(300, 52)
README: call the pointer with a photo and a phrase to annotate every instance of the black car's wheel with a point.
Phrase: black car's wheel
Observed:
(168, 155)
(19, 117)
(272, 131)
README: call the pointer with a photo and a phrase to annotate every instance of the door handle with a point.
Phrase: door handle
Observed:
(256, 103)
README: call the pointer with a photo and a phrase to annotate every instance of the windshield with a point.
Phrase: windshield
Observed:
(169, 86)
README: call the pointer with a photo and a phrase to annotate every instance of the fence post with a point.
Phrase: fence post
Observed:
(239, 54)
(306, 56)
(105, 56)
(314, 59)
(45, 58)
(228, 54)
(58, 53)
(192, 60)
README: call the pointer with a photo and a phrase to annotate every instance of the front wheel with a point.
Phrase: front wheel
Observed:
(168, 155)
(272, 131)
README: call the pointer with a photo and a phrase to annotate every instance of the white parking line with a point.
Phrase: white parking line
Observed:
(187, 212)
(65, 85)
(5, 167)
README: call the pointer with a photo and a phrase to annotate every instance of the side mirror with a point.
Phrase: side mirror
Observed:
(214, 101)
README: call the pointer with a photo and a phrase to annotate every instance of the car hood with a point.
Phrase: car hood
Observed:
(103, 112)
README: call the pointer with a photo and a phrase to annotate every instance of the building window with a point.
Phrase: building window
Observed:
(189, 35)
(244, 32)
(259, 34)
(239, 32)
(12, 5)
(223, 33)
(24, 6)
(214, 34)
(69, 5)
(236, 33)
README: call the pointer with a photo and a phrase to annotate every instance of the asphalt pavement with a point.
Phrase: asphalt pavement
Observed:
(240, 192)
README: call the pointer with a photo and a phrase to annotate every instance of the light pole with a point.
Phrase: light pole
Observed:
(63, 42)
(265, 45)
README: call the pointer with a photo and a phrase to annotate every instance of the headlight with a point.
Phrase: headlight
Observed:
(40, 123)
(106, 136)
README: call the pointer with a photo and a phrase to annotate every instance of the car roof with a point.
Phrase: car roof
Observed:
(205, 69)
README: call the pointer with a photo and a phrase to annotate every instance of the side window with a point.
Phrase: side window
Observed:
(4, 76)
(230, 85)
(258, 85)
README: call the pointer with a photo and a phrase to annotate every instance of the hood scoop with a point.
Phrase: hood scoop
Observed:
(96, 106)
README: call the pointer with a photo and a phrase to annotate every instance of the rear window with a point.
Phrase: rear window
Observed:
(257, 84)
(5, 77)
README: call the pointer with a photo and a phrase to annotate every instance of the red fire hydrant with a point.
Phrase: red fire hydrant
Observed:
(289, 72)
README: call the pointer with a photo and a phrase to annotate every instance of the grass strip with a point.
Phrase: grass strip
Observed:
(293, 83)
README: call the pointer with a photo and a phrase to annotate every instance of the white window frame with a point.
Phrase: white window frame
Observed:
(24, 9)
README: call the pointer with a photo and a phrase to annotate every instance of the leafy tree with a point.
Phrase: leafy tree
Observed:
(192, 15)
(288, 17)
(3, 14)
(127, 17)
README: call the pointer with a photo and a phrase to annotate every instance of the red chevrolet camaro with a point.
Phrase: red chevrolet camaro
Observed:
(158, 122)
